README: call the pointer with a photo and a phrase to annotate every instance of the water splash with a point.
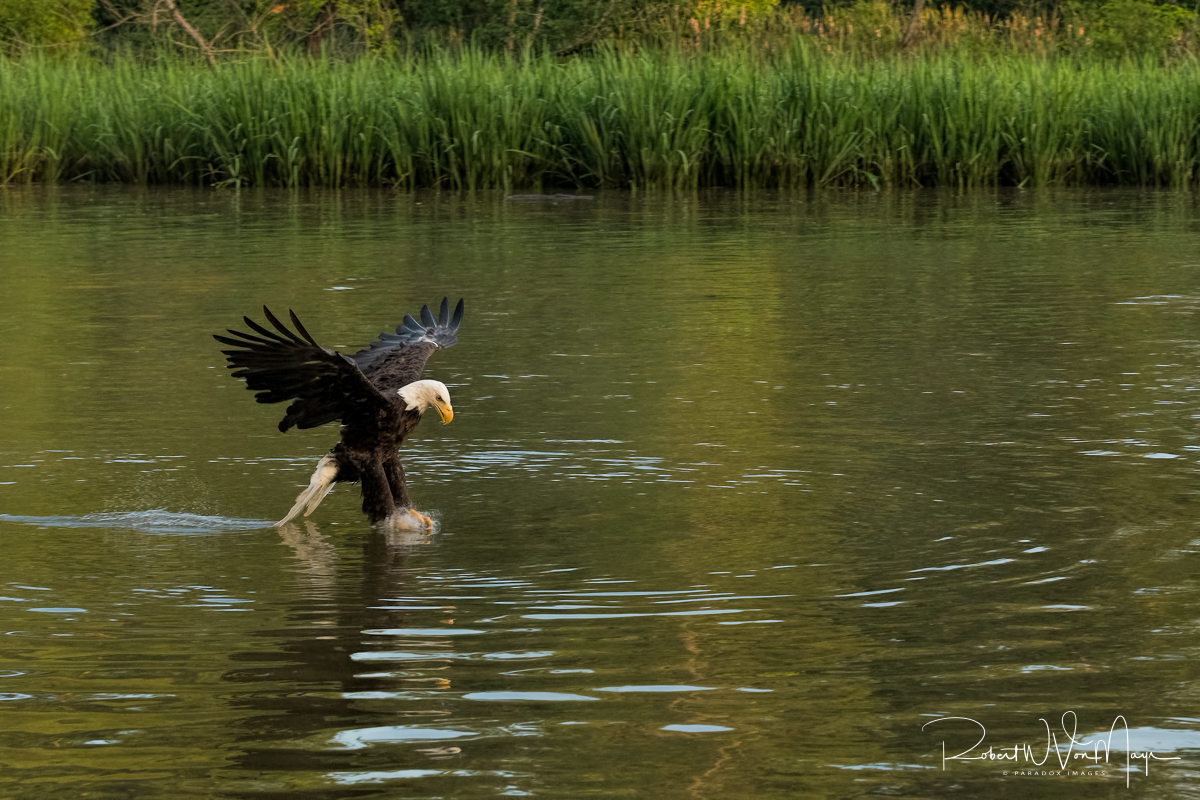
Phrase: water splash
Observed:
(155, 520)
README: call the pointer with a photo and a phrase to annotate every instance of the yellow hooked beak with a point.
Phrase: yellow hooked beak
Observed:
(444, 411)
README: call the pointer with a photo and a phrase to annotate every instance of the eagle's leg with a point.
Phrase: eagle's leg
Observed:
(377, 492)
(395, 476)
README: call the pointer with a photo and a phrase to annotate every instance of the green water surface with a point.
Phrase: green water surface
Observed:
(741, 491)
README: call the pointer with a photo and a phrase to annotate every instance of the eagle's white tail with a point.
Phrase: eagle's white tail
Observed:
(319, 485)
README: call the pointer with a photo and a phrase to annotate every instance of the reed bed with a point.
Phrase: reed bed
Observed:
(642, 119)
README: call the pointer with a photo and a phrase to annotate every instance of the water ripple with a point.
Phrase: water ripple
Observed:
(155, 520)
(490, 459)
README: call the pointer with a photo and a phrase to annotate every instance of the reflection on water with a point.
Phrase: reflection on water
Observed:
(741, 492)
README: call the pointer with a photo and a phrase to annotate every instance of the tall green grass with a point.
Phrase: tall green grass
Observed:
(653, 119)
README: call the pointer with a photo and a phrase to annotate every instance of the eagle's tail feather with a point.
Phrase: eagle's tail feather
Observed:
(319, 485)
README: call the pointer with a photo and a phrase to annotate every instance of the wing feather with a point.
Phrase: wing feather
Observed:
(322, 384)
(299, 327)
(397, 359)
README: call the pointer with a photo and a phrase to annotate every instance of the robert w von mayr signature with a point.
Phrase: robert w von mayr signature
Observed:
(1075, 750)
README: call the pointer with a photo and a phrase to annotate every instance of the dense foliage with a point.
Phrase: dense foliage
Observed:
(645, 119)
(343, 28)
(531, 93)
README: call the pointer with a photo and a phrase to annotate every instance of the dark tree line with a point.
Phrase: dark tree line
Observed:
(213, 27)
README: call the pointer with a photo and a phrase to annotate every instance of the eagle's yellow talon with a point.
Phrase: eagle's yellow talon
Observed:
(421, 518)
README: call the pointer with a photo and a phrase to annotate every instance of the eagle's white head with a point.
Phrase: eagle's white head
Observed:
(423, 394)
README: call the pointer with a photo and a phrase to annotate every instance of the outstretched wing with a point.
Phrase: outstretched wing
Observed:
(397, 359)
(280, 365)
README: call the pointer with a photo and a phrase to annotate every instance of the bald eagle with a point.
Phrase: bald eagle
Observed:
(376, 393)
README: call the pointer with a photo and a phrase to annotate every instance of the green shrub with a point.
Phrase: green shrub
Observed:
(44, 23)
(1140, 27)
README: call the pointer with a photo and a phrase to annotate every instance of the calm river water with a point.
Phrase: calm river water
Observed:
(741, 492)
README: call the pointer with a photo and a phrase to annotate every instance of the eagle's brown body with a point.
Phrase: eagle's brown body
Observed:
(375, 463)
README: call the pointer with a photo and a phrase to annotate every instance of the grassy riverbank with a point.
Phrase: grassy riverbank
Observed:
(658, 119)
